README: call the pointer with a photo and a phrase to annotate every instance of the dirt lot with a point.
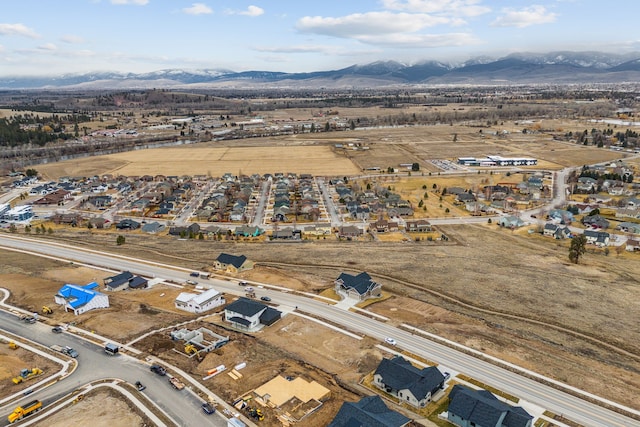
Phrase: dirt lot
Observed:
(278, 350)
(14, 360)
(100, 408)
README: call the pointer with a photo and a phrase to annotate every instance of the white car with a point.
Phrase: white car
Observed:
(390, 341)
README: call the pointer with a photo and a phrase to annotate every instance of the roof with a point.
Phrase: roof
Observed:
(400, 374)
(362, 283)
(269, 316)
(138, 282)
(370, 412)
(483, 408)
(246, 307)
(234, 260)
(206, 296)
(235, 422)
(119, 279)
(239, 320)
(77, 296)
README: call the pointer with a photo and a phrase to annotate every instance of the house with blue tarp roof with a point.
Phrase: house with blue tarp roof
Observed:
(80, 299)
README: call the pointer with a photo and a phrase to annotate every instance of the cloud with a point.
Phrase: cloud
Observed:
(198, 9)
(71, 39)
(297, 49)
(136, 2)
(251, 11)
(48, 47)
(442, 7)
(360, 25)
(422, 40)
(532, 15)
(17, 30)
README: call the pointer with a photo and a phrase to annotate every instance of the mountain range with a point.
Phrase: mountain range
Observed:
(514, 69)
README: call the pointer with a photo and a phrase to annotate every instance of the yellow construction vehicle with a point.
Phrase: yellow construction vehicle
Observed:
(22, 411)
(192, 349)
(27, 374)
(13, 345)
(46, 310)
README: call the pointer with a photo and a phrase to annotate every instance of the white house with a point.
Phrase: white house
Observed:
(81, 299)
(199, 303)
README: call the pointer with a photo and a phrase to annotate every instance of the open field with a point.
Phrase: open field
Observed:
(315, 154)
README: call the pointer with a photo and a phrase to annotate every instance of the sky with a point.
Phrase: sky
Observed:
(46, 37)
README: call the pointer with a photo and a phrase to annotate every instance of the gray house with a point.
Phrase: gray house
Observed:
(359, 287)
(370, 412)
(469, 408)
(401, 379)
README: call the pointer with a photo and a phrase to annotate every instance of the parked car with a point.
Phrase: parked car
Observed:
(265, 298)
(140, 386)
(158, 370)
(56, 330)
(390, 341)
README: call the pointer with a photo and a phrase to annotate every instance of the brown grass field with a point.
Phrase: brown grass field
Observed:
(315, 153)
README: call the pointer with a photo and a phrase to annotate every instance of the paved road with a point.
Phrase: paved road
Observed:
(94, 364)
(558, 402)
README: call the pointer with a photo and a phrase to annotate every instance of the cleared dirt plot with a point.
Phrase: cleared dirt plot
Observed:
(263, 361)
(100, 408)
(12, 361)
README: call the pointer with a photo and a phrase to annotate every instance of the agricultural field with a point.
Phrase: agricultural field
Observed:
(316, 153)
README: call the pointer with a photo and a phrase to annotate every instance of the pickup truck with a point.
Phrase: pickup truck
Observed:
(65, 350)
(176, 383)
(158, 370)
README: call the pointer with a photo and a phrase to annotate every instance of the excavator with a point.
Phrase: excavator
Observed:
(191, 349)
(27, 374)
(46, 310)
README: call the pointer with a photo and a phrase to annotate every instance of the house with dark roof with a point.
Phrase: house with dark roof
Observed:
(598, 238)
(250, 315)
(360, 287)
(412, 385)
(232, 263)
(468, 408)
(125, 280)
(368, 412)
(556, 231)
(80, 299)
